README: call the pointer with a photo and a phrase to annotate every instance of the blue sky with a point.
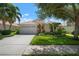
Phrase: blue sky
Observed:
(28, 11)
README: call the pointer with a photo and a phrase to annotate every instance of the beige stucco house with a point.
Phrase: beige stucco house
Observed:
(30, 27)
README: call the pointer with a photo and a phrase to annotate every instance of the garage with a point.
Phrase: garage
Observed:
(28, 28)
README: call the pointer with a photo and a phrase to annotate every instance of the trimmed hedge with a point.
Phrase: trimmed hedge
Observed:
(6, 32)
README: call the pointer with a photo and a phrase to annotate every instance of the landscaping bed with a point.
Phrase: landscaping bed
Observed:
(52, 50)
(7, 33)
(54, 40)
(1, 37)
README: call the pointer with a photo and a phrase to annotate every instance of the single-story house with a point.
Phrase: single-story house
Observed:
(31, 27)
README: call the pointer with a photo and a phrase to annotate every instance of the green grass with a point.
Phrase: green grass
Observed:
(54, 40)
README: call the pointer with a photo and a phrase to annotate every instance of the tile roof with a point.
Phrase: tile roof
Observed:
(14, 24)
(33, 22)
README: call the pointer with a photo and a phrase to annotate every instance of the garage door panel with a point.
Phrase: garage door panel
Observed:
(28, 30)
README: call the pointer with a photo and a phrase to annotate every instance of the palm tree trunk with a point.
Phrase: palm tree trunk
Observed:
(4, 26)
(76, 17)
(43, 30)
(39, 28)
(76, 32)
(10, 26)
(53, 28)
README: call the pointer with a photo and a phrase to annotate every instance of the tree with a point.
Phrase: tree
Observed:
(13, 14)
(9, 12)
(3, 13)
(40, 27)
(65, 11)
(53, 26)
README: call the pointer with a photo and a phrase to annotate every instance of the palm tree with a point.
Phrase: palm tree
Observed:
(13, 15)
(9, 12)
(3, 13)
(65, 11)
(51, 27)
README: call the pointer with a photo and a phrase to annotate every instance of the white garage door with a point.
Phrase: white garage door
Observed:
(28, 29)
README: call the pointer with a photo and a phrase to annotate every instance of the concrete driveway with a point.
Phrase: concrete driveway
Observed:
(15, 45)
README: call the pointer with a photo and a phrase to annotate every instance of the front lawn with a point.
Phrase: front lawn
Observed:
(54, 40)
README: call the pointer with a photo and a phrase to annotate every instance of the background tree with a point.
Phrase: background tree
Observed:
(64, 11)
(51, 27)
(3, 13)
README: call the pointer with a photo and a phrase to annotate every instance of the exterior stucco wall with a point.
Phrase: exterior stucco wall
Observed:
(7, 27)
(69, 29)
(47, 29)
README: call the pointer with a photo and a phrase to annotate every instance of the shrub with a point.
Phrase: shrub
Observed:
(17, 31)
(13, 33)
(48, 33)
(41, 34)
(6, 32)
(60, 31)
(1, 36)
(0, 32)
(45, 33)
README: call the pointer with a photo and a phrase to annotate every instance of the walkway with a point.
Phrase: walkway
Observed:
(52, 50)
(15, 45)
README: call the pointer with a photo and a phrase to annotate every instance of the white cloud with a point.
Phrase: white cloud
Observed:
(25, 15)
(26, 20)
(54, 20)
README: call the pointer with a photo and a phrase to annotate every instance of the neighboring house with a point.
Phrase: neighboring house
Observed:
(14, 26)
